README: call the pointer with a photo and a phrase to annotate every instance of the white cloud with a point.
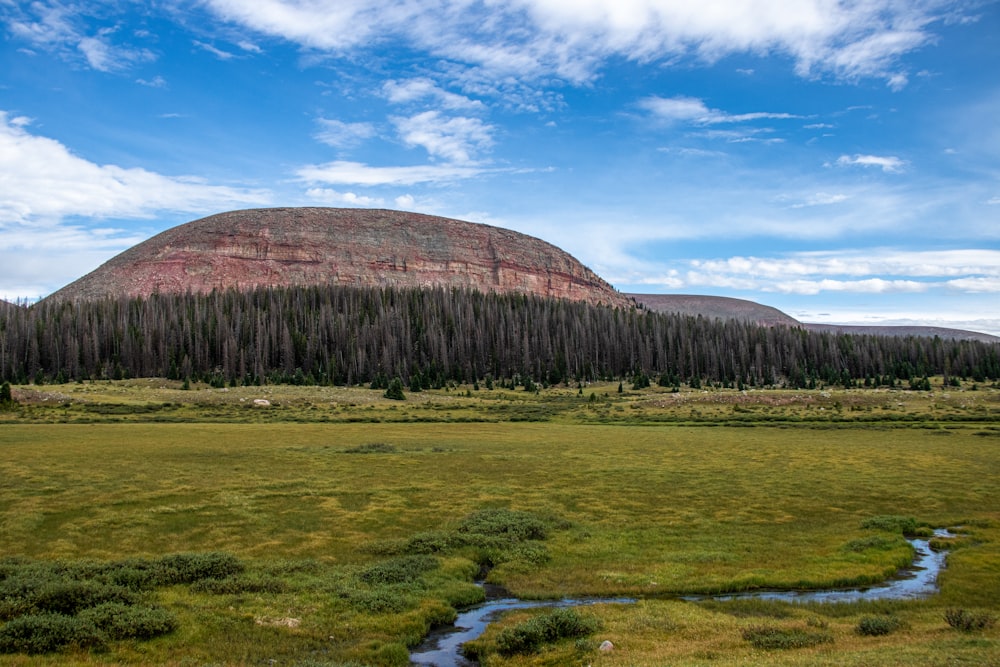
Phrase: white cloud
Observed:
(867, 286)
(822, 199)
(328, 196)
(871, 262)
(888, 164)
(43, 180)
(58, 28)
(155, 82)
(214, 50)
(694, 110)
(530, 38)
(454, 139)
(419, 89)
(342, 172)
(339, 134)
(42, 183)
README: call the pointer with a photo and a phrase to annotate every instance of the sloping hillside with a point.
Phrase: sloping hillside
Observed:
(353, 247)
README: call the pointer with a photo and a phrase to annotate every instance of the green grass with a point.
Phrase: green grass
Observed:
(350, 557)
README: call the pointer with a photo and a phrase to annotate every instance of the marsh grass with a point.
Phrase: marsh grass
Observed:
(653, 503)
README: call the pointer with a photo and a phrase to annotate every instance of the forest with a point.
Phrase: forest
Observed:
(429, 337)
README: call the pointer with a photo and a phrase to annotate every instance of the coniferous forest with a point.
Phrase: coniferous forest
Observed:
(428, 337)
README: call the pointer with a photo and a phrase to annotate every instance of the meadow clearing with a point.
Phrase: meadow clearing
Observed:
(333, 526)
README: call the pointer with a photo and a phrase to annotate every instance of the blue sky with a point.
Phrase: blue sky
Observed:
(838, 160)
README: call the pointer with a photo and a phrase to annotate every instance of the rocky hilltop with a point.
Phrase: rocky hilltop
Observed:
(329, 246)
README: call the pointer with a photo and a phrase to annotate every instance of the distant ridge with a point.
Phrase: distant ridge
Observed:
(721, 307)
(887, 330)
(331, 246)
(718, 307)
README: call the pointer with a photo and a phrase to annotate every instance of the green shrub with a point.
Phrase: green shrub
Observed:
(769, 637)
(529, 636)
(506, 523)
(47, 632)
(189, 568)
(907, 525)
(404, 569)
(968, 621)
(432, 542)
(875, 626)
(241, 583)
(119, 621)
(383, 600)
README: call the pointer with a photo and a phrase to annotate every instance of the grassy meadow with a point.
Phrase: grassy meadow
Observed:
(336, 527)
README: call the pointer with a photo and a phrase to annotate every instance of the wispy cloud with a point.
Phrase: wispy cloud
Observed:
(887, 163)
(59, 27)
(532, 38)
(455, 139)
(339, 134)
(342, 172)
(423, 89)
(328, 196)
(693, 110)
(44, 181)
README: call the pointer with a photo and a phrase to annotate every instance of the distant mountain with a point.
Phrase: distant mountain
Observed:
(717, 307)
(354, 247)
(723, 308)
(942, 332)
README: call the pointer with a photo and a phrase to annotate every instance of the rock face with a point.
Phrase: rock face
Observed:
(356, 247)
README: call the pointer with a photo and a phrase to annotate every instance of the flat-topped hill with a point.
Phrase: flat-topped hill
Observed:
(330, 246)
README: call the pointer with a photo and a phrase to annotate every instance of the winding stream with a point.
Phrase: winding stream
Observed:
(442, 648)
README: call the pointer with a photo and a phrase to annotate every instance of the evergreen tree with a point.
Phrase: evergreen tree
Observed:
(395, 390)
(6, 397)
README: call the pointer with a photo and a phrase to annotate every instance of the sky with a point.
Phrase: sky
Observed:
(836, 159)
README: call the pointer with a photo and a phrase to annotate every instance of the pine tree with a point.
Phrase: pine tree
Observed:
(395, 390)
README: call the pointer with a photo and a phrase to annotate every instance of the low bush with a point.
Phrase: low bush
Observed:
(967, 621)
(769, 637)
(529, 636)
(241, 583)
(47, 632)
(404, 569)
(876, 626)
(504, 523)
(120, 621)
(192, 567)
(907, 525)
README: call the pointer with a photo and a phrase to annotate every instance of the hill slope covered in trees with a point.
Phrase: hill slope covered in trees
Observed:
(345, 335)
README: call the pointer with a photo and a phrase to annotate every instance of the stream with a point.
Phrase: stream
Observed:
(442, 647)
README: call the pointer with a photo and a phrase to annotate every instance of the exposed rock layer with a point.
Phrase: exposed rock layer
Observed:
(326, 246)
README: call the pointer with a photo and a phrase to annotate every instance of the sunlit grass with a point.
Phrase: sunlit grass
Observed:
(640, 507)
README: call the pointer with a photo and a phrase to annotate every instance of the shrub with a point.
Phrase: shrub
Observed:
(906, 525)
(48, 632)
(384, 600)
(395, 390)
(506, 523)
(242, 583)
(768, 637)
(189, 568)
(967, 621)
(400, 570)
(875, 626)
(528, 637)
(119, 621)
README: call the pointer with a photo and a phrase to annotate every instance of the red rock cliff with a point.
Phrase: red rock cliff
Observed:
(326, 246)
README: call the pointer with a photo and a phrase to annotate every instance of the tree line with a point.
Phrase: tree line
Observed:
(428, 337)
